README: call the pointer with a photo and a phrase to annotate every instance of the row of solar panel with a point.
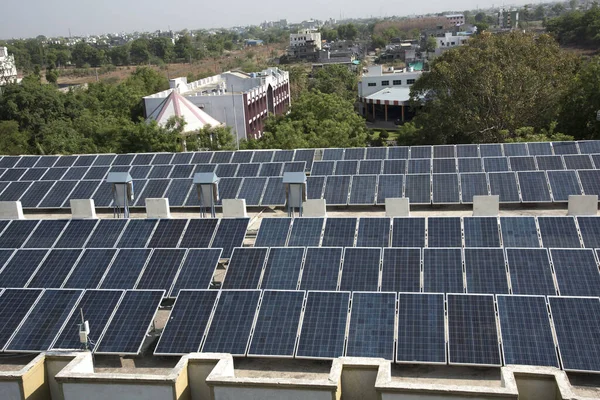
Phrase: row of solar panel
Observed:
(407, 328)
(35, 320)
(452, 165)
(178, 171)
(225, 233)
(166, 269)
(549, 232)
(445, 270)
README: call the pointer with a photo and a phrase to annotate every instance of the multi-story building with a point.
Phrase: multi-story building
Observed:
(455, 19)
(8, 68)
(305, 37)
(508, 19)
(450, 40)
(240, 100)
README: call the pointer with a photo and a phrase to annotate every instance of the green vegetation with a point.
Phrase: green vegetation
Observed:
(577, 28)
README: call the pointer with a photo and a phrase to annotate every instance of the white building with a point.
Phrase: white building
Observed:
(450, 40)
(242, 101)
(8, 68)
(455, 19)
(304, 37)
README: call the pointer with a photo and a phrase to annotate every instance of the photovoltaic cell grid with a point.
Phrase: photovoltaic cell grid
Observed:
(197, 270)
(323, 329)
(55, 268)
(199, 233)
(590, 231)
(230, 233)
(125, 269)
(161, 269)
(45, 234)
(444, 232)
(373, 232)
(504, 184)
(530, 271)
(445, 189)
(323, 168)
(90, 269)
(576, 272)
(408, 232)
(245, 268)
(277, 323)
(336, 190)
(473, 184)
(559, 232)
(481, 232)
(283, 267)
(522, 163)
(360, 269)
(76, 233)
(273, 232)
(136, 233)
(418, 188)
(401, 270)
(306, 232)
(14, 305)
(519, 232)
(21, 266)
(363, 189)
(534, 187)
(274, 194)
(372, 325)
(167, 233)
(339, 232)
(394, 167)
(486, 270)
(389, 186)
(442, 270)
(563, 184)
(16, 233)
(251, 190)
(106, 233)
(321, 268)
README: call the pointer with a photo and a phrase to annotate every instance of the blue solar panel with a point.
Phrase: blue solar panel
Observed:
(526, 332)
(160, 172)
(125, 270)
(230, 233)
(76, 173)
(187, 322)
(136, 233)
(14, 191)
(83, 190)
(252, 190)
(481, 232)
(321, 268)
(565, 148)
(273, 232)
(585, 146)
(420, 152)
(530, 271)
(590, 231)
(283, 155)
(45, 234)
(534, 187)
(314, 187)
(495, 164)
(394, 167)
(178, 191)
(470, 165)
(199, 233)
(519, 232)
(373, 232)
(539, 149)
(155, 188)
(277, 324)
(161, 269)
(363, 190)
(467, 151)
(563, 184)
(389, 186)
(491, 150)
(181, 158)
(376, 153)
(271, 169)
(54, 174)
(33, 174)
(58, 194)
(339, 232)
(127, 329)
(419, 166)
(485, 270)
(444, 232)
(228, 189)
(182, 171)
(576, 272)
(444, 151)
(13, 174)
(442, 270)
(522, 163)
(123, 159)
(578, 161)
(323, 168)
(17, 233)
(306, 232)
(324, 325)
(548, 163)
(515, 149)
(202, 157)
(97, 307)
(408, 232)
(559, 232)
(282, 270)
(372, 325)
(97, 173)
(504, 184)
(90, 269)
(27, 161)
(401, 271)
(421, 328)
(140, 171)
(294, 166)
(55, 268)
(205, 168)
(245, 268)
(418, 188)
(9, 161)
(444, 165)
(473, 184)
(242, 157)
(14, 306)
(76, 233)
(63, 161)
(590, 181)
(398, 152)
(354, 153)
(232, 321)
(197, 270)
(85, 160)
(370, 167)
(347, 167)
(35, 193)
(360, 269)
(336, 190)
(221, 157)
(167, 233)
(262, 156)
(21, 266)
(445, 189)
(274, 194)
(473, 336)
(306, 156)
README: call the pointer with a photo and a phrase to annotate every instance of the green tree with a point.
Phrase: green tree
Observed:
(480, 17)
(139, 51)
(12, 140)
(430, 44)
(119, 55)
(214, 138)
(183, 48)
(336, 79)
(82, 54)
(495, 83)
(162, 48)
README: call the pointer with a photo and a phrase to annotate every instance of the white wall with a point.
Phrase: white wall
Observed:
(365, 90)
(104, 391)
(300, 38)
(10, 390)
(359, 383)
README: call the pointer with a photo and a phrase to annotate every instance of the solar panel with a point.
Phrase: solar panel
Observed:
(154, 189)
(140, 171)
(270, 169)
(360, 269)
(127, 329)
(473, 336)
(522, 163)
(160, 171)
(587, 146)
(85, 160)
(245, 268)
(515, 149)
(565, 148)
(199, 233)
(205, 168)
(590, 181)
(534, 187)
(248, 170)
(27, 161)
(363, 190)
(9, 161)
(372, 325)
(251, 190)
(181, 158)
(283, 268)
(161, 269)
(40, 327)
(57, 194)
(401, 270)
(83, 190)
(277, 324)
(559, 232)
(21, 266)
(373, 232)
(4, 256)
(444, 232)
(504, 184)
(398, 152)
(33, 174)
(577, 326)
(46, 161)
(481, 232)
(467, 151)
(45, 234)
(283, 155)
(306, 156)
(35, 193)
(262, 156)
(339, 232)
(485, 270)
(229, 331)
(123, 159)
(178, 190)
(576, 272)
(470, 165)
(306, 232)
(321, 268)
(230, 233)
(596, 160)
(76, 173)
(14, 306)
(530, 271)
(420, 151)
(519, 232)
(354, 153)
(63, 161)
(97, 173)
(242, 157)
(90, 269)
(590, 231)
(136, 233)
(294, 166)
(419, 166)
(167, 233)
(314, 187)
(394, 166)
(442, 270)
(389, 186)
(97, 307)
(187, 322)
(472, 184)
(445, 189)
(332, 155)
(75, 234)
(408, 232)
(274, 194)
(444, 151)
(17, 233)
(444, 165)
(197, 270)
(221, 157)
(162, 158)
(578, 161)
(421, 328)
(563, 184)
(182, 171)
(273, 232)
(526, 332)
(491, 150)
(54, 174)
(228, 189)
(369, 167)
(202, 157)
(324, 325)
(540, 149)
(55, 268)
(125, 269)
(13, 174)
(103, 195)
(348, 167)
(418, 188)
(495, 164)
(380, 153)
(14, 191)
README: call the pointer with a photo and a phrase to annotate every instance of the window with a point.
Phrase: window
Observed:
(397, 82)
(372, 84)
(452, 43)
(410, 81)
(385, 83)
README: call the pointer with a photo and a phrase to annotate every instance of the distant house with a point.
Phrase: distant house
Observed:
(8, 68)
(305, 45)
(254, 42)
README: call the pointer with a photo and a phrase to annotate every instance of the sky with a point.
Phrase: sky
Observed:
(30, 18)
